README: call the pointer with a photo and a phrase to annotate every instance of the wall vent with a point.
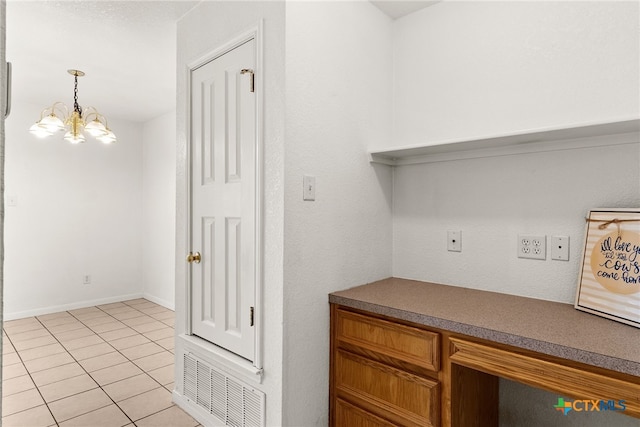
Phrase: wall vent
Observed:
(230, 400)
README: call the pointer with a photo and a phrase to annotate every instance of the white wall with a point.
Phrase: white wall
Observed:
(474, 68)
(158, 209)
(338, 102)
(78, 213)
(522, 65)
(205, 28)
(465, 69)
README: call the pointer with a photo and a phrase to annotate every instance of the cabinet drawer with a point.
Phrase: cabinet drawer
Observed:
(348, 415)
(405, 343)
(403, 398)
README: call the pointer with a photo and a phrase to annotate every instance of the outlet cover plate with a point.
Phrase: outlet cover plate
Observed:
(532, 246)
(560, 248)
(454, 241)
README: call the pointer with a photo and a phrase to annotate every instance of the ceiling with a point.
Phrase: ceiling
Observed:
(398, 8)
(126, 48)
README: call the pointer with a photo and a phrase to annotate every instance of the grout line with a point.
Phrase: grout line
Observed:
(88, 373)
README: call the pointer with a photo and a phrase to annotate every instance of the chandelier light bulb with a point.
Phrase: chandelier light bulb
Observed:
(75, 123)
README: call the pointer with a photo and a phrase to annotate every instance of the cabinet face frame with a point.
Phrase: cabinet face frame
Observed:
(470, 368)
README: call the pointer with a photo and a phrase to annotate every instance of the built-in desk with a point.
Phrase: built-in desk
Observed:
(406, 352)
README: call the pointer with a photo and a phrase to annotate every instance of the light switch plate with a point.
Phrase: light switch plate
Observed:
(308, 188)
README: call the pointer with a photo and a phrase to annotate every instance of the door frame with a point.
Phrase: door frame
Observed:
(255, 33)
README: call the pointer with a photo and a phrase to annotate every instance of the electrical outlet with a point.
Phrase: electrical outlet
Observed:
(560, 248)
(454, 241)
(532, 246)
(86, 279)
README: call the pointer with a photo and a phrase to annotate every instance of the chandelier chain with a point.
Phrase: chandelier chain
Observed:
(76, 107)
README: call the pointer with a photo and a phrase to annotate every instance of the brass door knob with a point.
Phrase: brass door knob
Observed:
(193, 257)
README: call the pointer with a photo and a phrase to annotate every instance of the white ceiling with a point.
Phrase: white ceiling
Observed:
(398, 8)
(126, 48)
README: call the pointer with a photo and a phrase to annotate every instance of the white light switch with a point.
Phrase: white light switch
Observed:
(309, 188)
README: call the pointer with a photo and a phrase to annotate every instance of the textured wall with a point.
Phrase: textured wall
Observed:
(78, 212)
(338, 102)
(468, 69)
(158, 208)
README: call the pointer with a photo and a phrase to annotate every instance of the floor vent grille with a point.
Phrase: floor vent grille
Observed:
(225, 397)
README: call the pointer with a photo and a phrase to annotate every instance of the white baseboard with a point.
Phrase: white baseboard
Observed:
(171, 305)
(72, 306)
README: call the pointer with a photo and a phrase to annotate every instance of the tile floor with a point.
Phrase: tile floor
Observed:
(109, 365)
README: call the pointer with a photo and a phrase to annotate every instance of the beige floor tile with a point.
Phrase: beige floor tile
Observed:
(109, 326)
(109, 416)
(163, 375)
(155, 361)
(10, 359)
(91, 351)
(130, 314)
(169, 322)
(118, 333)
(146, 404)
(34, 417)
(68, 387)
(140, 320)
(17, 385)
(29, 335)
(150, 326)
(85, 310)
(98, 320)
(21, 401)
(7, 347)
(13, 371)
(115, 373)
(66, 327)
(130, 387)
(73, 334)
(154, 310)
(43, 363)
(57, 321)
(164, 315)
(81, 342)
(43, 351)
(45, 317)
(129, 342)
(171, 417)
(146, 305)
(158, 334)
(34, 343)
(133, 302)
(22, 327)
(59, 373)
(79, 404)
(111, 306)
(102, 361)
(169, 386)
(141, 350)
(167, 343)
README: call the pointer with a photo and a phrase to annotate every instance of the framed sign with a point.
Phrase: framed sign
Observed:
(610, 278)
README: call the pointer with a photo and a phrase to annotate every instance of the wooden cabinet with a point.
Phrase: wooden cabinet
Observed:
(390, 372)
(383, 372)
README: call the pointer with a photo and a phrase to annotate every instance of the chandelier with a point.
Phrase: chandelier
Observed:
(57, 118)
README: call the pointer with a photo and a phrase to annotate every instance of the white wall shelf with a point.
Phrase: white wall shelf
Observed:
(532, 141)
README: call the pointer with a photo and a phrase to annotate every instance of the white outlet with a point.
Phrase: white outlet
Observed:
(86, 279)
(532, 246)
(560, 248)
(454, 241)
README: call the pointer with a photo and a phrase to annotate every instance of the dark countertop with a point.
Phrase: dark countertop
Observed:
(547, 327)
